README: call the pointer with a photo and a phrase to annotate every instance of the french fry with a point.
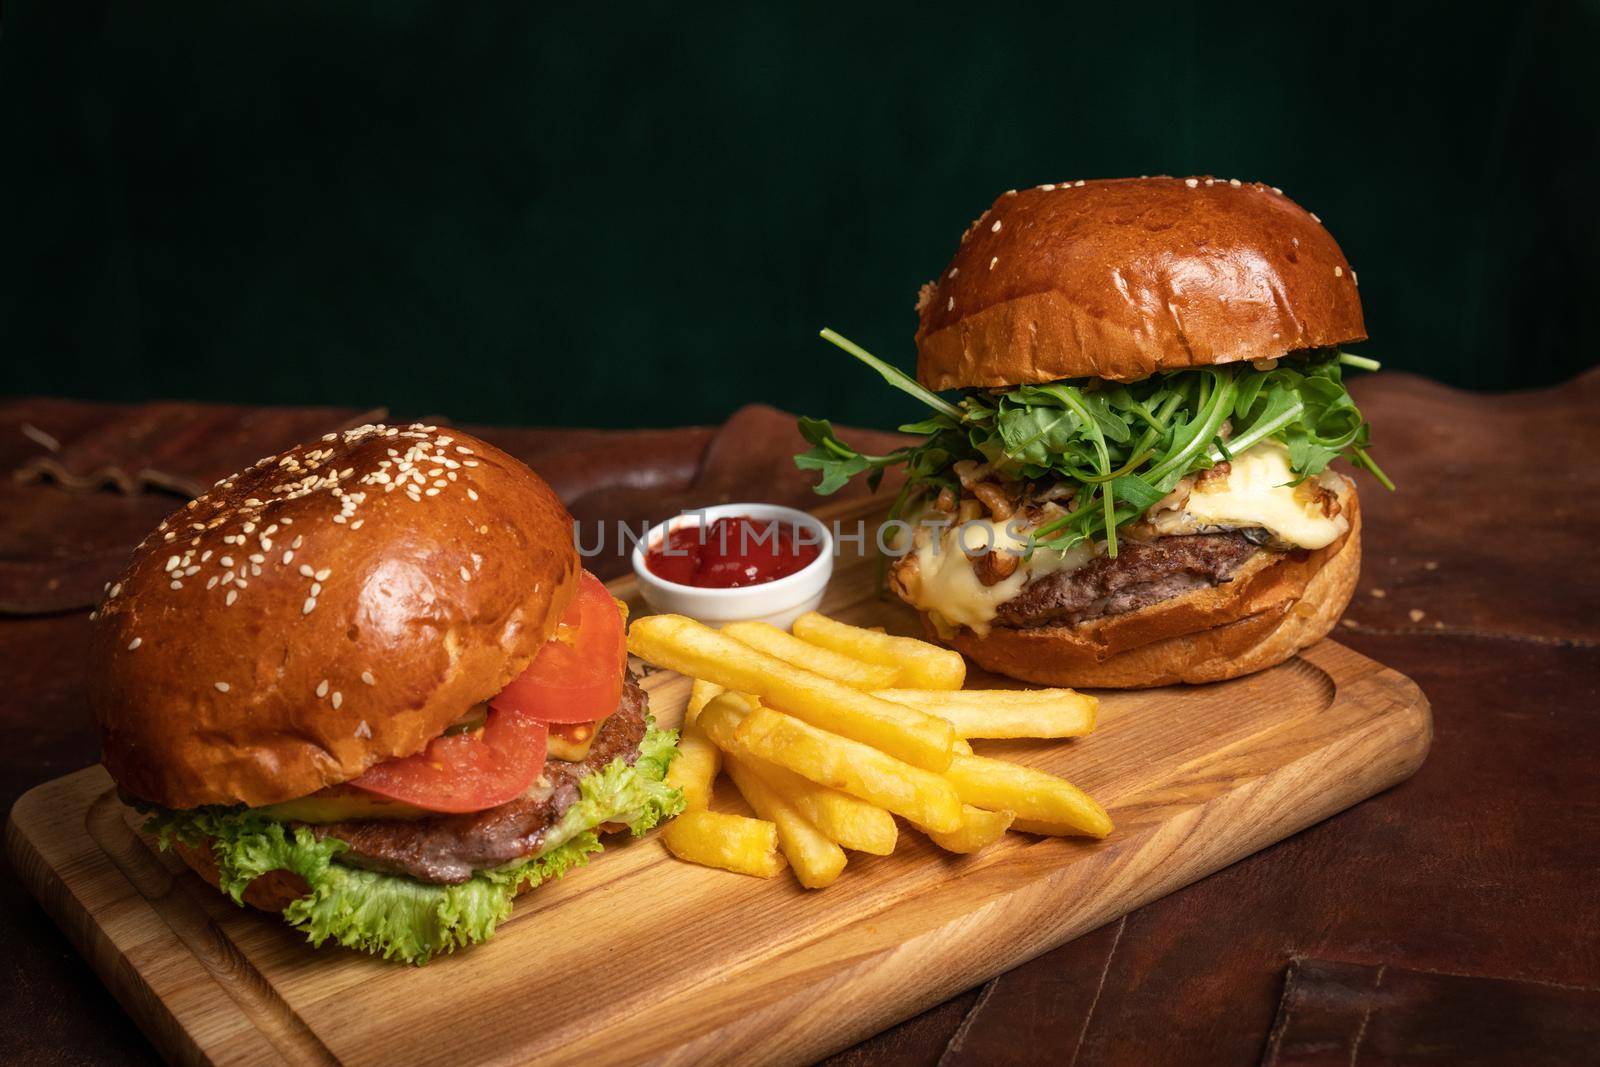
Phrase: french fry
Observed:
(979, 830)
(690, 648)
(847, 821)
(732, 842)
(847, 765)
(1039, 799)
(1004, 712)
(815, 860)
(700, 693)
(918, 664)
(857, 674)
(695, 768)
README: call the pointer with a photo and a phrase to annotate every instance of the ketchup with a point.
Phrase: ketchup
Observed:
(732, 551)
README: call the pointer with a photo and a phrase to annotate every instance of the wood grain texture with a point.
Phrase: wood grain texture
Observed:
(639, 956)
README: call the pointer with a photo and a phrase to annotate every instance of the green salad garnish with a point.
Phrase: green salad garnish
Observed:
(401, 918)
(1123, 446)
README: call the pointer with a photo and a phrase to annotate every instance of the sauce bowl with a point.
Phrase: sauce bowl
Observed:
(778, 602)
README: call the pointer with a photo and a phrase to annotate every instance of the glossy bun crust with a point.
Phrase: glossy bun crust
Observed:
(1277, 604)
(1121, 279)
(326, 609)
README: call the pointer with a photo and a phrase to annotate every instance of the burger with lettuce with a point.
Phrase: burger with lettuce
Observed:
(1135, 390)
(365, 684)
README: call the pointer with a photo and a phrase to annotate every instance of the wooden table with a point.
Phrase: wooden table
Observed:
(1453, 919)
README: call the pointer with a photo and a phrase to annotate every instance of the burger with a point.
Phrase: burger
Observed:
(1133, 487)
(367, 685)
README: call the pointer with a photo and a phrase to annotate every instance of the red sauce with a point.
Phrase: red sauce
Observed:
(733, 551)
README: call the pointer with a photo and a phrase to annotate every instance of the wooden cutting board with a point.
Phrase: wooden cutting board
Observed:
(641, 957)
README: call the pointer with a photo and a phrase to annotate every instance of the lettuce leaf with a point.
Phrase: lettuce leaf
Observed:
(401, 918)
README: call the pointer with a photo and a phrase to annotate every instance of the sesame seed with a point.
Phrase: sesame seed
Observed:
(233, 594)
(177, 584)
(309, 606)
(431, 492)
(366, 676)
(951, 306)
(222, 687)
(338, 698)
(1416, 614)
(363, 730)
(322, 575)
(993, 261)
(1314, 218)
(1192, 183)
(322, 689)
(135, 643)
(211, 582)
(1353, 277)
(357, 524)
(466, 575)
(472, 494)
(996, 227)
(226, 561)
(1338, 271)
(296, 542)
(306, 571)
(1048, 188)
(1234, 182)
(115, 589)
(316, 588)
(172, 561)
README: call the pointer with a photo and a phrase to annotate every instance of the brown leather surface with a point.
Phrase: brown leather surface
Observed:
(1481, 866)
(1334, 1014)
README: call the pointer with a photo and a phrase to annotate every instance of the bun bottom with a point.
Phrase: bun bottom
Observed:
(1275, 606)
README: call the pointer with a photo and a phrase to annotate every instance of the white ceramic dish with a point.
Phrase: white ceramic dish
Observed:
(779, 602)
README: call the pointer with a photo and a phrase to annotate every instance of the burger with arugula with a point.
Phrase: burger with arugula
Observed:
(367, 685)
(1132, 487)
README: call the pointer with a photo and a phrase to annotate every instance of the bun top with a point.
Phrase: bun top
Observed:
(1124, 278)
(326, 609)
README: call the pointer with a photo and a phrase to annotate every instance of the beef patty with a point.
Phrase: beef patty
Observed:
(446, 849)
(1142, 573)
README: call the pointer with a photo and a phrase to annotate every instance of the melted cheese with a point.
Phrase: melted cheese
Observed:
(944, 584)
(1256, 493)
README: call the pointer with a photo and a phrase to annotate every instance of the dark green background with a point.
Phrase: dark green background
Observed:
(641, 214)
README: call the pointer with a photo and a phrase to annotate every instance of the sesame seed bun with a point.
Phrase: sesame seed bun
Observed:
(326, 609)
(1122, 279)
(1275, 605)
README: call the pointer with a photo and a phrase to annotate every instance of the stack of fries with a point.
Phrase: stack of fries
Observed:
(832, 731)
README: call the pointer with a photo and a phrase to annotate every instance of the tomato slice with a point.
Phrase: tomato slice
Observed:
(577, 676)
(468, 771)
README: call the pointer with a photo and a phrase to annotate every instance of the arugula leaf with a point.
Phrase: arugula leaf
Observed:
(1125, 445)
